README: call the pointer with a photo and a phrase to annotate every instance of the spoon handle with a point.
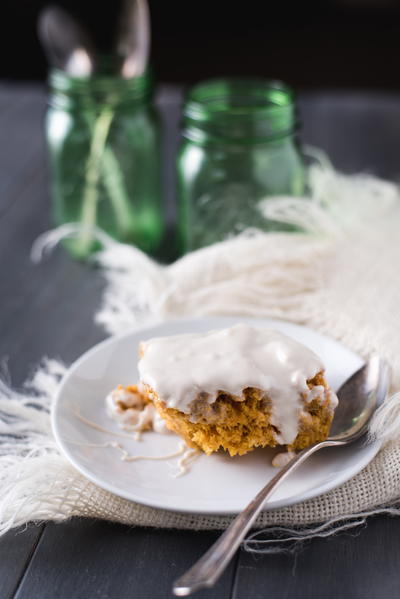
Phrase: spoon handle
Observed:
(206, 571)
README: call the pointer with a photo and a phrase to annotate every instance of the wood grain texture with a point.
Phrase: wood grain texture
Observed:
(359, 131)
(21, 139)
(16, 550)
(363, 564)
(83, 558)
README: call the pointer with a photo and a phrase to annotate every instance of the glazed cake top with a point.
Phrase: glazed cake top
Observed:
(179, 368)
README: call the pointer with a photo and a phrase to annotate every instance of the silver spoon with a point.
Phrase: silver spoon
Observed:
(359, 397)
(133, 44)
(67, 45)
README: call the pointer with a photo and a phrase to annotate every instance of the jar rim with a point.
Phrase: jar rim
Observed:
(103, 82)
(239, 110)
(237, 98)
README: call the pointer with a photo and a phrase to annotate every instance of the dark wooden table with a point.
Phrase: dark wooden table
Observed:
(48, 310)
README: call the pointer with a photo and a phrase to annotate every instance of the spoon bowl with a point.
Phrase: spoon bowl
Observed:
(66, 43)
(133, 43)
(359, 397)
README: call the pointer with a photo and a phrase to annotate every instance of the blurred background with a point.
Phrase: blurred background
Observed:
(310, 43)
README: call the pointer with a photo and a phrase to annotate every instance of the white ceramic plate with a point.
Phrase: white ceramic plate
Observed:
(216, 484)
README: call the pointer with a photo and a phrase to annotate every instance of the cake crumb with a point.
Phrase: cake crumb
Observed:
(283, 458)
(132, 411)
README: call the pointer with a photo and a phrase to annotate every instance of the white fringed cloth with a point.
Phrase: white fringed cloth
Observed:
(340, 277)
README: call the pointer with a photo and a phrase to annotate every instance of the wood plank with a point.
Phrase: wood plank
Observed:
(37, 300)
(17, 139)
(86, 558)
(21, 142)
(13, 96)
(16, 550)
(363, 564)
(46, 309)
(360, 132)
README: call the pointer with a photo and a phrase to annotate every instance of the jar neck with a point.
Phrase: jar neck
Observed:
(98, 91)
(239, 112)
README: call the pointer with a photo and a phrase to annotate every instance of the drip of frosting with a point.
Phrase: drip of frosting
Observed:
(179, 368)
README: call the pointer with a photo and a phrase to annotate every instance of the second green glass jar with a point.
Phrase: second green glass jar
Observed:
(238, 148)
(103, 135)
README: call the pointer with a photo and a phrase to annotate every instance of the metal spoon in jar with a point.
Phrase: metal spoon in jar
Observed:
(359, 397)
(67, 45)
(133, 43)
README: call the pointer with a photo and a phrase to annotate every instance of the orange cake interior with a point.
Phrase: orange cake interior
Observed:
(239, 425)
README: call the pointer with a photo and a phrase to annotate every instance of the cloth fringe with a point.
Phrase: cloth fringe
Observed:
(282, 539)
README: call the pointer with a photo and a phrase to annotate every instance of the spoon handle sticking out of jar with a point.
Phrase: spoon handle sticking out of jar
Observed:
(133, 42)
(67, 45)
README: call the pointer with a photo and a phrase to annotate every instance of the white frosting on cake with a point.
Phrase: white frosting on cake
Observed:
(179, 368)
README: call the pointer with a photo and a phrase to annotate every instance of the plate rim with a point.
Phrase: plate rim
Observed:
(346, 475)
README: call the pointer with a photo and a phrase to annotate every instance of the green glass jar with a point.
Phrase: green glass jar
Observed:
(105, 166)
(238, 148)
